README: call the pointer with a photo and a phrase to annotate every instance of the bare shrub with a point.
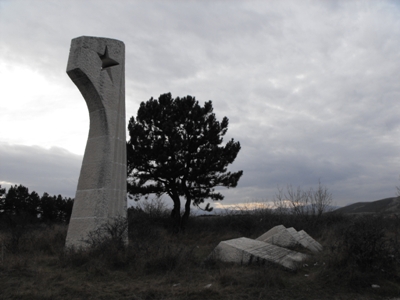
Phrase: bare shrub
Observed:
(320, 199)
(106, 248)
(299, 202)
(153, 208)
(292, 200)
(114, 232)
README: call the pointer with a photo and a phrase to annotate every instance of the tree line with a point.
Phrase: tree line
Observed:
(19, 205)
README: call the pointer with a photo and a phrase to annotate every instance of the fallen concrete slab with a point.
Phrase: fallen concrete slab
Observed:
(290, 237)
(246, 251)
(308, 242)
(279, 236)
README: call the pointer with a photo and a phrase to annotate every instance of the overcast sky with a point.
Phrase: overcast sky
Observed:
(311, 88)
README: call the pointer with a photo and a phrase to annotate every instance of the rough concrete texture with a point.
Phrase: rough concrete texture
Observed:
(97, 67)
(289, 237)
(279, 236)
(245, 251)
(308, 242)
(271, 232)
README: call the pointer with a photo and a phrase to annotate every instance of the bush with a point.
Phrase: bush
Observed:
(114, 232)
(364, 243)
(109, 243)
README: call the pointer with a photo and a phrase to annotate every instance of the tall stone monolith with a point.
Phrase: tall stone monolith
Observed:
(97, 67)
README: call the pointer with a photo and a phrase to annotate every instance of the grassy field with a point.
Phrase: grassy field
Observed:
(159, 264)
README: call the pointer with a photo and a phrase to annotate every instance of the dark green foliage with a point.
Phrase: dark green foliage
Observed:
(175, 148)
(18, 206)
(19, 202)
(2, 193)
(20, 211)
(55, 208)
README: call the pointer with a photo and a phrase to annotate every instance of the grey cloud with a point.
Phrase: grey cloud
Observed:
(53, 170)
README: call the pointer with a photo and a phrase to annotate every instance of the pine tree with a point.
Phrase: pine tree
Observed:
(176, 148)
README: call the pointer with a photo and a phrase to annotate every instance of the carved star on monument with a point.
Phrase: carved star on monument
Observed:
(106, 61)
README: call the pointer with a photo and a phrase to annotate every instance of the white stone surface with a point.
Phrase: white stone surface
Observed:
(309, 243)
(289, 237)
(97, 67)
(271, 232)
(280, 236)
(245, 251)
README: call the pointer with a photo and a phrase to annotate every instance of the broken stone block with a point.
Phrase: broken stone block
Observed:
(308, 242)
(271, 232)
(279, 236)
(290, 237)
(245, 251)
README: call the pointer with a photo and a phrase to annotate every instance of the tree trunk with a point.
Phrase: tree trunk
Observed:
(188, 197)
(186, 215)
(176, 212)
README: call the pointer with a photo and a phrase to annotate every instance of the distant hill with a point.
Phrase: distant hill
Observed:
(385, 206)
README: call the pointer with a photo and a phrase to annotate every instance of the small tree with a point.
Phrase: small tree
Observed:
(176, 148)
(320, 199)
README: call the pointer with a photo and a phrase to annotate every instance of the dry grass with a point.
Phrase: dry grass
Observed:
(158, 264)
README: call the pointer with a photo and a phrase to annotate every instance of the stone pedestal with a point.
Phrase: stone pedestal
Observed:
(97, 67)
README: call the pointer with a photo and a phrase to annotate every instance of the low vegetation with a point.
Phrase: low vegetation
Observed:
(359, 253)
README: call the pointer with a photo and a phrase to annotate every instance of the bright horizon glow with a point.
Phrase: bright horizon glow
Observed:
(244, 206)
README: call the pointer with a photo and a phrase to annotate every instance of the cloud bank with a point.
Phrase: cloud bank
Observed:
(53, 170)
(310, 88)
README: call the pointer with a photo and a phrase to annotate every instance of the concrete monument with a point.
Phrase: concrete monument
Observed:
(97, 67)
